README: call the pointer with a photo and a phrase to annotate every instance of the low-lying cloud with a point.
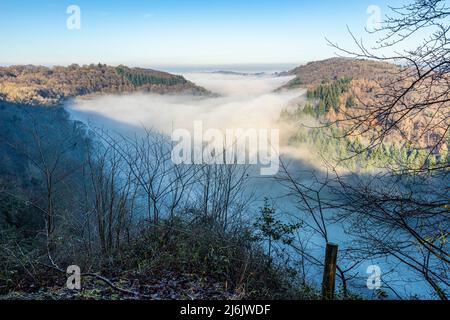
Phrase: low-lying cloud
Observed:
(245, 102)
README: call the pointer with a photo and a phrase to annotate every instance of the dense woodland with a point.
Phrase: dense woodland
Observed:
(327, 97)
(326, 100)
(38, 85)
(348, 89)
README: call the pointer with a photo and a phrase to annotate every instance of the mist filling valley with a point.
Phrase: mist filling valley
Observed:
(242, 101)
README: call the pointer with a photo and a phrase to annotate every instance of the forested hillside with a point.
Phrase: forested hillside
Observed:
(343, 91)
(317, 72)
(39, 85)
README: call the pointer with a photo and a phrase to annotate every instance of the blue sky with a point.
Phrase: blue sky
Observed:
(175, 32)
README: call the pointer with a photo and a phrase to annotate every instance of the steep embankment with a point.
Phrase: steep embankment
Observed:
(38, 85)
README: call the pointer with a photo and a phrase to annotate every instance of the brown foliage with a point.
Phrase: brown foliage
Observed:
(38, 85)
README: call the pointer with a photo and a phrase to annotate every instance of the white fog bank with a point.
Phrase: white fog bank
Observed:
(245, 102)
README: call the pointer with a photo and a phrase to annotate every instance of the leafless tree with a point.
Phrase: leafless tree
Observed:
(403, 212)
(418, 92)
(224, 193)
(52, 160)
(147, 158)
(111, 196)
(316, 212)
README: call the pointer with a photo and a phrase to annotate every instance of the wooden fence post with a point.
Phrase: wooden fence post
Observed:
(329, 273)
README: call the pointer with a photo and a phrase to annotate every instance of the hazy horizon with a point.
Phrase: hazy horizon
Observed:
(188, 68)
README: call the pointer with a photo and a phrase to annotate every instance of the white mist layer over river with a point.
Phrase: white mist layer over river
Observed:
(245, 101)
